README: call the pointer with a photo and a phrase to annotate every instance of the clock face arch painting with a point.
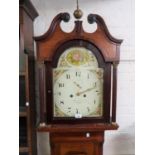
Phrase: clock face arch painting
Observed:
(77, 57)
(78, 84)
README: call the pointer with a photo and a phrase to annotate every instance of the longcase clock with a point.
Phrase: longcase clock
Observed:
(77, 82)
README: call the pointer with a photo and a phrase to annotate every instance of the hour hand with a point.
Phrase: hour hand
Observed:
(77, 84)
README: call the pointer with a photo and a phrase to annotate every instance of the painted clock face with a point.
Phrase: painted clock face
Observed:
(78, 85)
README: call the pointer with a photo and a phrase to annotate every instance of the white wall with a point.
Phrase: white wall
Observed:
(119, 17)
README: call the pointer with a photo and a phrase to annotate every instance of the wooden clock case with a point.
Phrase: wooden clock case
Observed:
(77, 136)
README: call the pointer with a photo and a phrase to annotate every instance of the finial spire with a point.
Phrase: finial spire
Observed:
(78, 13)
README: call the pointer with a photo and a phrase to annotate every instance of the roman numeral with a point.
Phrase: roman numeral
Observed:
(98, 92)
(88, 109)
(95, 84)
(61, 84)
(69, 109)
(61, 102)
(78, 74)
(68, 76)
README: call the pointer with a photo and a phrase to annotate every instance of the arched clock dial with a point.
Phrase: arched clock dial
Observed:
(78, 85)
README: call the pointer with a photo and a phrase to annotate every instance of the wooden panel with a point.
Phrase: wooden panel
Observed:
(107, 92)
(32, 107)
(63, 128)
(22, 56)
(77, 137)
(114, 90)
(49, 91)
(27, 13)
(76, 148)
(28, 34)
(42, 98)
(22, 91)
(23, 141)
(28, 7)
(76, 144)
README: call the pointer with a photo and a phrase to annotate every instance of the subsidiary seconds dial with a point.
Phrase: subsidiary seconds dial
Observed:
(78, 92)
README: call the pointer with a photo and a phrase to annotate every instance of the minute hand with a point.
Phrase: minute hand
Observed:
(82, 92)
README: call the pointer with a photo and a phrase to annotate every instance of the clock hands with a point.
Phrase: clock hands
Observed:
(77, 84)
(82, 92)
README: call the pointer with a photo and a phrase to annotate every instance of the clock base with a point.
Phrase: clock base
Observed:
(79, 143)
(77, 139)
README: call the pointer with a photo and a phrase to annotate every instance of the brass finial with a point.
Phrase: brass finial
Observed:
(78, 13)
